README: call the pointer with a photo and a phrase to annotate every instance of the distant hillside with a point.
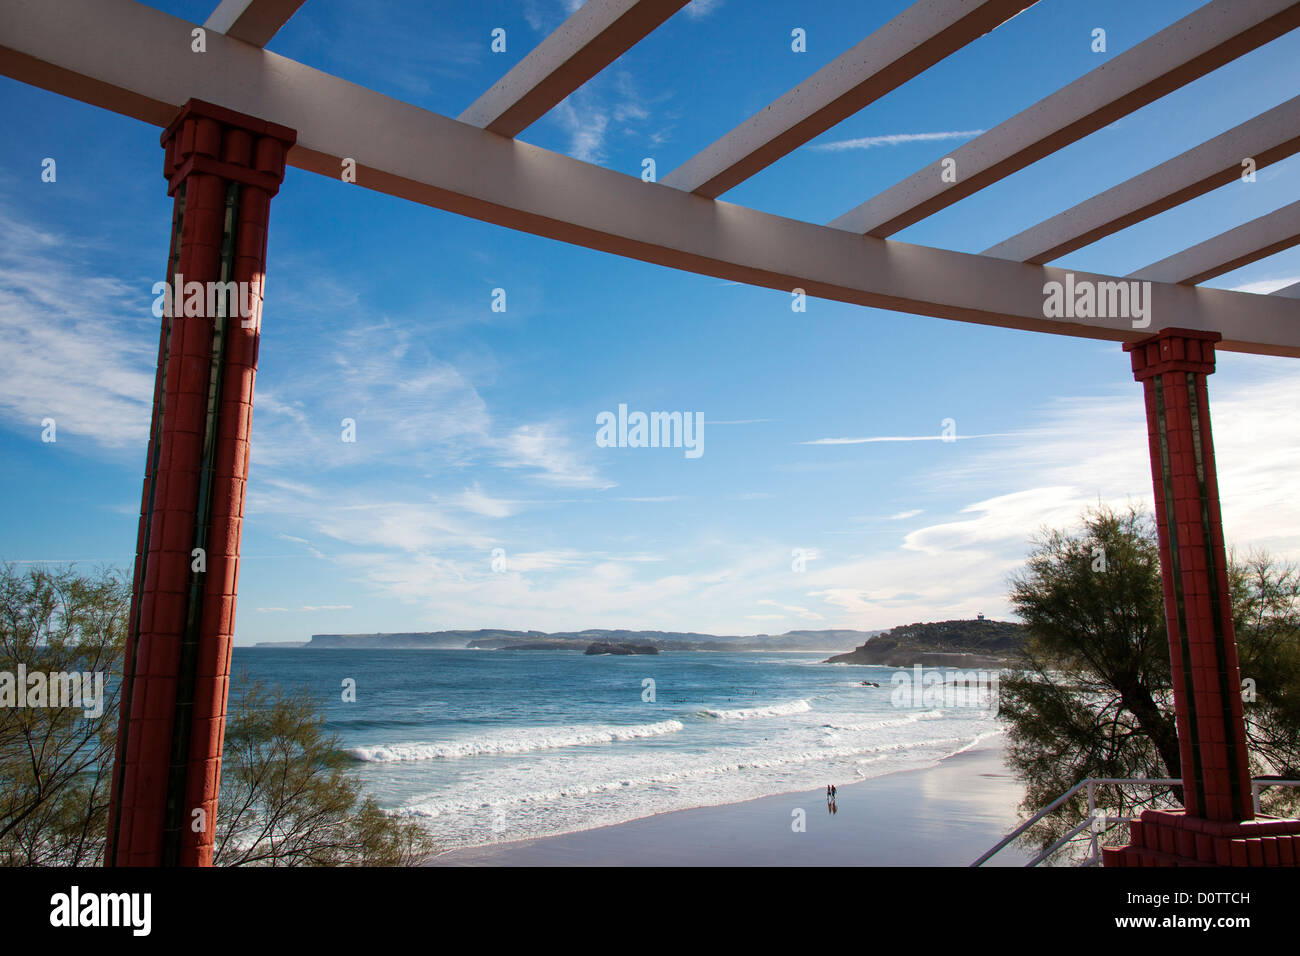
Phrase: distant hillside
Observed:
(979, 643)
(580, 640)
(492, 639)
(418, 639)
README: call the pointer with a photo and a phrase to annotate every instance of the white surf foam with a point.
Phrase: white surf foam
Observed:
(634, 784)
(520, 741)
(747, 713)
(979, 739)
(882, 724)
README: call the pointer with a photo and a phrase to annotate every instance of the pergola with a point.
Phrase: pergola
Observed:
(235, 116)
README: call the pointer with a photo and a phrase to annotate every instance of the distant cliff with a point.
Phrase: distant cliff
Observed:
(978, 643)
(604, 647)
(493, 639)
(422, 639)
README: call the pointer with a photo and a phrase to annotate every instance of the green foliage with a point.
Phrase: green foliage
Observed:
(965, 637)
(286, 799)
(286, 796)
(1092, 695)
(1266, 617)
(55, 763)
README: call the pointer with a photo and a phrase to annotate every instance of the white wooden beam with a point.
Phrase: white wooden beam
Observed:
(907, 45)
(136, 60)
(1247, 243)
(597, 34)
(1266, 139)
(253, 21)
(1202, 41)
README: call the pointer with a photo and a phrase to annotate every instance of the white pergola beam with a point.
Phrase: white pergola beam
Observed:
(1202, 41)
(253, 21)
(911, 43)
(1266, 139)
(1247, 243)
(136, 60)
(597, 34)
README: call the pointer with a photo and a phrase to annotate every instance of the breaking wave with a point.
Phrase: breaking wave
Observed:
(521, 741)
(746, 713)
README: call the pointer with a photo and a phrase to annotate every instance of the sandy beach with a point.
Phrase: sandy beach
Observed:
(944, 815)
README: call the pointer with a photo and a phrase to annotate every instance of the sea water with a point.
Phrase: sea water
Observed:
(487, 746)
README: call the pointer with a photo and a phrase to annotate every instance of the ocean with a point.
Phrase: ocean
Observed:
(489, 746)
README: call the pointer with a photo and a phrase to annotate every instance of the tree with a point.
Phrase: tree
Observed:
(286, 798)
(55, 761)
(1093, 698)
(1266, 617)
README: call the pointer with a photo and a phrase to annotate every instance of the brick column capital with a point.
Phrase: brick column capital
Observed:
(1173, 350)
(205, 138)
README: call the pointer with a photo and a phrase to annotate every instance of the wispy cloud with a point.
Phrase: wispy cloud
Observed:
(894, 139)
(543, 16)
(698, 9)
(1082, 450)
(606, 107)
(997, 519)
(80, 348)
(1077, 451)
(893, 438)
(794, 609)
(1266, 286)
(544, 450)
(585, 120)
(305, 607)
(473, 499)
(552, 560)
(75, 346)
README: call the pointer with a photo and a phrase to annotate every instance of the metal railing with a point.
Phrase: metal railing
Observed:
(1099, 824)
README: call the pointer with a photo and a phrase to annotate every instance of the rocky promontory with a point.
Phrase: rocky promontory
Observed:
(978, 643)
(605, 647)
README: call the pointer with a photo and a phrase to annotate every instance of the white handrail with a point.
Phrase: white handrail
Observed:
(1088, 782)
(1107, 821)
(1268, 782)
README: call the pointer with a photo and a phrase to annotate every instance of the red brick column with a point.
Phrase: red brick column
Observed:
(222, 169)
(1218, 825)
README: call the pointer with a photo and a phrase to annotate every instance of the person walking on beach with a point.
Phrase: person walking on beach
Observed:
(834, 792)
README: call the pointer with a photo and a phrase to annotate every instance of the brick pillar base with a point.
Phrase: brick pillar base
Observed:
(1173, 838)
(222, 169)
(1218, 826)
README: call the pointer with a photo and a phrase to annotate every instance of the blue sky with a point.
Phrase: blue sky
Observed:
(476, 429)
